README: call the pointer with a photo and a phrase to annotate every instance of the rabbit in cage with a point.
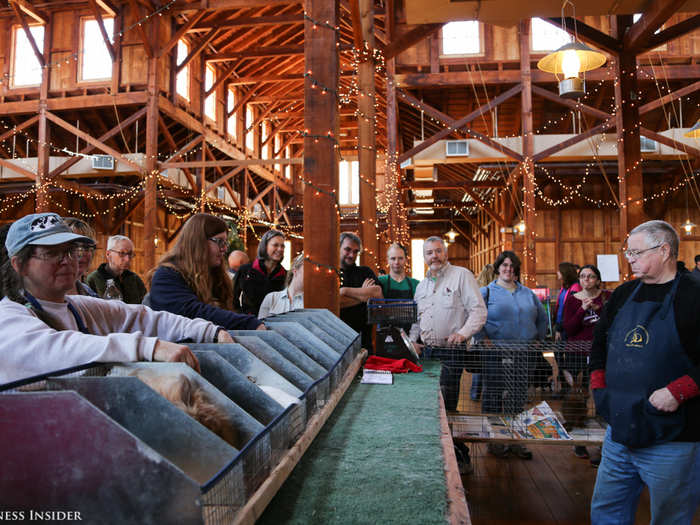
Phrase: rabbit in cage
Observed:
(186, 395)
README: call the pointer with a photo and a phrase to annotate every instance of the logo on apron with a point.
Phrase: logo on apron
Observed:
(638, 337)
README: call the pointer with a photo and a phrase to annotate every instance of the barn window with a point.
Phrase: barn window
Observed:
(461, 38)
(210, 101)
(547, 36)
(95, 60)
(231, 121)
(182, 81)
(26, 69)
(249, 137)
(349, 182)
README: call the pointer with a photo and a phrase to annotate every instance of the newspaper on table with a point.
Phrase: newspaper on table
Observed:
(539, 422)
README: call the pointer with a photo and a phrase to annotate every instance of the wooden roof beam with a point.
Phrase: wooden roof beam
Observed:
(225, 5)
(171, 141)
(430, 185)
(461, 122)
(673, 32)
(669, 97)
(446, 119)
(108, 7)
(20, 15)
(103, 31)
(681, 146)
(270, 20)
(588, 34)
(657, 12)
(148, 48)
(410, 39)
(181, 32)
(32, 11)
(257, 52)
(196, 50)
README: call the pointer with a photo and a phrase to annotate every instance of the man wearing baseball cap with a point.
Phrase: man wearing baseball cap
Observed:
(43, 330)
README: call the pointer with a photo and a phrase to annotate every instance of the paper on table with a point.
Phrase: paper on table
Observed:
(377, 377)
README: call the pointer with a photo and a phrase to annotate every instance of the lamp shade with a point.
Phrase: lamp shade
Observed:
(694, 132)
(564, 61)
(451, 235)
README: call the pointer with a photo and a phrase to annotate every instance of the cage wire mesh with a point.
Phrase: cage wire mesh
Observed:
(519, 390)
(391, 311)
(222, 497)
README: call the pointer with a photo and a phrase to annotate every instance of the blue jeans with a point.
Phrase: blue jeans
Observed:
(668, 469)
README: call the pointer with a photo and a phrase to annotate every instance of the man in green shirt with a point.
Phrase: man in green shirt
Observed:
(397, 285)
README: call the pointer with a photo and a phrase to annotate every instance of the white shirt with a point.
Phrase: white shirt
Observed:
(118, 332)
(448, 302)
(278, 303)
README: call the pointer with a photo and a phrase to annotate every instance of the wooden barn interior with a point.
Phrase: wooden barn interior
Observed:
(325, 116)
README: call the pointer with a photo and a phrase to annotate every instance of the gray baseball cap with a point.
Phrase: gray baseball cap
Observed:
(39, 229)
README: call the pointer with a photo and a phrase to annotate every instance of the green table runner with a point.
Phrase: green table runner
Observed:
(377, 460)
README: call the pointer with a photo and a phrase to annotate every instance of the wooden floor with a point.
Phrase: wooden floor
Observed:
(555, 487)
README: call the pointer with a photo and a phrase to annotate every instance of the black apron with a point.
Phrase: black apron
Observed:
(644, 355)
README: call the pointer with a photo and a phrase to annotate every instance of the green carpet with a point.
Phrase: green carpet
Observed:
(377, 460)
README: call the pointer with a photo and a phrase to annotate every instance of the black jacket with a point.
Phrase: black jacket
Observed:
(130, 284)
(252, 283)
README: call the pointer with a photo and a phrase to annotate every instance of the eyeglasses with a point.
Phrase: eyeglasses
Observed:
(56, 255)
(634, 254)
(87, 249)
(123, 255)
(221, 243)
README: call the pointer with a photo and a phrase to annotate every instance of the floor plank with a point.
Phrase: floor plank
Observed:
(555, 487)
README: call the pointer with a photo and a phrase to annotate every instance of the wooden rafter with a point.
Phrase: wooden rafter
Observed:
(259, 52)
(461, 122)
(22, 20)
(430, 185)
(228, 176)
(474, 224)
(108, 7)
(103, 31)
(588, 34)
(148, 48)
(657, 12)
(232, 193)
(221, 77)
(665, 99)
(197, 49)
(681, 146)
(449, 121)
(410, 39)
(600, 128)
(357, 38)
(673, 32)
(173, 144)
(272, 20)
(39, 16)
(181, 32)
(187, 147)
(228, 163)
(90, 148)
(92, 140)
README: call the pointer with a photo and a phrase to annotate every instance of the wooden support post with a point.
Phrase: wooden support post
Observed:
(321, 219)
(42, 168)
(150, 202)
(629, 156)
(529, 271)
(367, 143)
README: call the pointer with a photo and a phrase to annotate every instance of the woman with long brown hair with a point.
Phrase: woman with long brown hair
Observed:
(191, 279)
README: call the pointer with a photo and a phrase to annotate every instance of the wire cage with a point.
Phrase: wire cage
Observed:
(392, 311)
(105, 426)
(519, 390)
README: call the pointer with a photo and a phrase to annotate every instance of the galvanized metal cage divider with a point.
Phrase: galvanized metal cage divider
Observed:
(530, 390)
(292, 357)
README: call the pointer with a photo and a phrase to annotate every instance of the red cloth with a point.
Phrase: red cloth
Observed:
(597, 379)
(398, 366)
(683, 388)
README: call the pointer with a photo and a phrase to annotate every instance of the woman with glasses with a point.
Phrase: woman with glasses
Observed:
(85, 257)
(44, 330)
(581, 313)
(264, 275)
(192, 280)
(514, 313)
(291, 298)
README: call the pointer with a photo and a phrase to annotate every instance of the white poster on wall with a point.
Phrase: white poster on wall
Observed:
(609, 268)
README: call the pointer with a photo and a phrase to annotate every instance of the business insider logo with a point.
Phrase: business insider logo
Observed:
(638, 337)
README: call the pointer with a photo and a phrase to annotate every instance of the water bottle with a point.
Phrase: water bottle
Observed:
(111, 291)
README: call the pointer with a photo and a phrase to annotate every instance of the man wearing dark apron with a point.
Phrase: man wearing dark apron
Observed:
(397, 285)
(645, 376)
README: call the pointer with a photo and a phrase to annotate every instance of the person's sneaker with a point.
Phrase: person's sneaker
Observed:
(580, 452)
(464, 462)
(498, 449)
(595, 457)
(520, 451)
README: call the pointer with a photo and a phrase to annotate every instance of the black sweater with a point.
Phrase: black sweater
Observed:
(686, 307)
